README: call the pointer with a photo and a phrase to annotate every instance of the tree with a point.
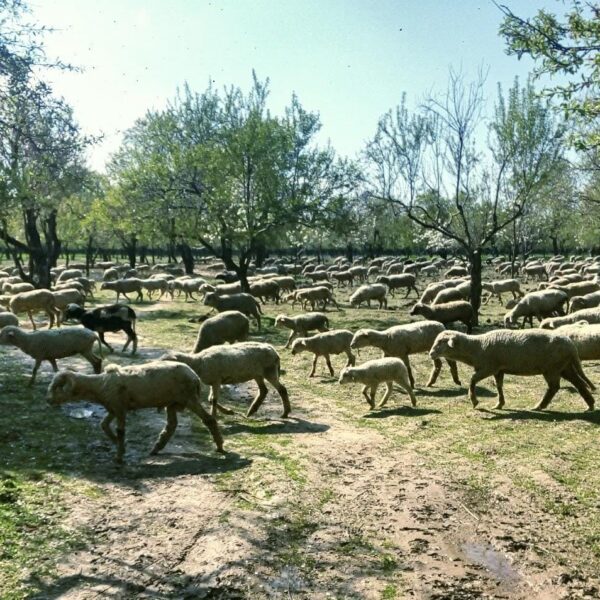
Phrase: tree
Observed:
(428, 164)
(569, 48)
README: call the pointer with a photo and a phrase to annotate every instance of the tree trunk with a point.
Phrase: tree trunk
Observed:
(131, 250)
(187, 257)
(555, 246)
(350, 252)
(475, 261)
(260, 254)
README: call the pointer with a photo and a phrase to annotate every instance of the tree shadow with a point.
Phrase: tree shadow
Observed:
(547, 416)
(454, 392)
(401, 411)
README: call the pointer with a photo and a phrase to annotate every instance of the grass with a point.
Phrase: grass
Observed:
(552, 458)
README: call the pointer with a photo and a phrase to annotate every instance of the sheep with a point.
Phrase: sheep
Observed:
(371, 291)
(155, 285)
(586, 338)
(401, 341)
(578, 288)
(70, 284)
(237, 363)
(432, 290)
(222, 289)
(64, 297)
(588, 301)
(536, 270)
(302, 324)
(188, 286)
(394, 282)
(69, 274)
(155, 384)
(498, 287)
(36, 300)
(17, 288)
(285, 282)
(51, 345)
(456, 271)
(448, 312)
(314, 295)
(244, 303)
(88, 285)
(531, 352)
(459, 292)
(7, 318)
(591, 315)
(114, 317)
(539, 304)
(343, 277)
(361, 273)
(265, 288)
(229, 326)
(324, 344)
(125, 286)
(374, 372)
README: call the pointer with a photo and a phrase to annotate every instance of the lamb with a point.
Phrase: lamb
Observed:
(36, 300)
(371, 291)
(394, 282)
(155, 285)
(401, 341)
(374, 372)
(314, 295)
(532, 352)
(229, 326)
(125, 286)
(237, 363)
(302, 324)
(156, 384)
(51, 345)
(324, 344)
(7, 318)
(498, 287)
(460, 310)
(588, 301)
(539, 304)
(459, 292)
(244, 303)
(114, 317)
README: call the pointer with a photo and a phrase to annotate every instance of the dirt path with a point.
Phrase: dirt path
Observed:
(356, 517)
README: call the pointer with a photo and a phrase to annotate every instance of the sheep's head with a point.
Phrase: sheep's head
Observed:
(416, 309)
(210, 299)
(73, 311)
(346, 375)
(487, 286)
(361, 339)
(61, 389)
(298, 345)
(8, 335)
(280, 320)
(444, 345)
(510, 318)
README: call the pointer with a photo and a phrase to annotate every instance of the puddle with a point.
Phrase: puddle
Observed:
(497, 564)
(289, 580)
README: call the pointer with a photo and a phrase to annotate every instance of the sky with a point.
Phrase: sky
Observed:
(349, 60)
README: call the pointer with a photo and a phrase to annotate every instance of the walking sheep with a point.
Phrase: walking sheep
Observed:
(125, 286)
(324, 344)
(157, 384)
(505, 351)
(302, 324)
(368, 292)
(446, 313)
(374, 372)
(395, 282)
(498, 287)
(540, 304)
(229, 326)
(244, 303)
(591, 315)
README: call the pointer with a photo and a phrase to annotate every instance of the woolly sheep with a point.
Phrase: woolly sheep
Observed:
(223, 289)
(579, 288)
(237, 363)
(360, 272)
(285, 282)
(591, 315)
(52, 345)
(343, 277)
(64, 297)
(69, 274)
(371, 291)
(459, 292)
(505, 351)
(456, 271)
(536, 270)
(155, 285)
(36, 300)
(588, 301)
(302, 324)
(324, 344)
(448, 312)
(244, 303)
(229, 326)
(498, 287)
(586, 338)
(394, 282)
(374, 372)
(17, 288)
(265, 288)
(315, 295)
(538, 304)
(432, 290)
(156, 384)
(7, 318)
(401, 341)
(125, 286)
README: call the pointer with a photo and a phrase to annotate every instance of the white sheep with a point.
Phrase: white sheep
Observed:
(69, 274)
(374, 372)
(159, 284)
(540, 304)
(125, 286)
(432, 290)
(446, 313)
(401, 341)
(64, 297)
(460, 292)
(591, 315)
(36, 300)
(229, 326)
(52, 345)
(501, 286)
(588, 301)
(237, 363)
(368, 292)
(244, 303)
(505, 351)
(313, 296)
(17, 288)
(586, 338)
(324, 344)
(395, 282)
(156, 384)
(7, 318)
(302, 324)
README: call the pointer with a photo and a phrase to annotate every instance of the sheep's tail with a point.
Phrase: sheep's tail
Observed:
(259, 308)
(579, 370)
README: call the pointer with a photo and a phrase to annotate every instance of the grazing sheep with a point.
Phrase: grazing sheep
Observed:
(324, 344)
(125, 286)
(223, 289)
(432, 290)
(51, 345)
(237, 363)
(588, 301)
(69, 274)
(535, 270)
(371, 291)
(540, 304)
(591, 315)
(459, 292)
(394, 282)
(374, 372)
(229, 326)
(343, 277)
(114, 317)
(578, 288)
(401, 341)
(498, 287)
(456, 271)
(265, 288)
(36, 300)
(156, 384)
(244, 303)
(7, 318)
(17, 288)
(446, 313)
(314, 296)
(302, 324)
(505, 351)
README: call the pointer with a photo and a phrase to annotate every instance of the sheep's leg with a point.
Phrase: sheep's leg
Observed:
(366, 395)
(476, 378)
(454, 371)
(140, 296)
(553, 381)
(437, 367)
(209, 422)
(93, 360)
(107, 429)
(389, 386)
(101, 335)
(351, 359)
(213, 398)
(408, 389)
(289, 341)
(572, 376)
(257, 317)
(408, 290)
(52, 317)
(328, 361)
(260, 397)
(120, 438)
(34, 372)
(486, 301)
(167, 432)
(314, 366)
(499, 377)
(273, 379)
(52, 361)
(31, 319)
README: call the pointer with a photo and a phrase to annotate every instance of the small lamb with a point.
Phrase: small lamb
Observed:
(324, 344)
(229, 326)
(302, 324)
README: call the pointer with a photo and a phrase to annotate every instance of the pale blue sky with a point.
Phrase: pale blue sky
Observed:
(348, 59)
